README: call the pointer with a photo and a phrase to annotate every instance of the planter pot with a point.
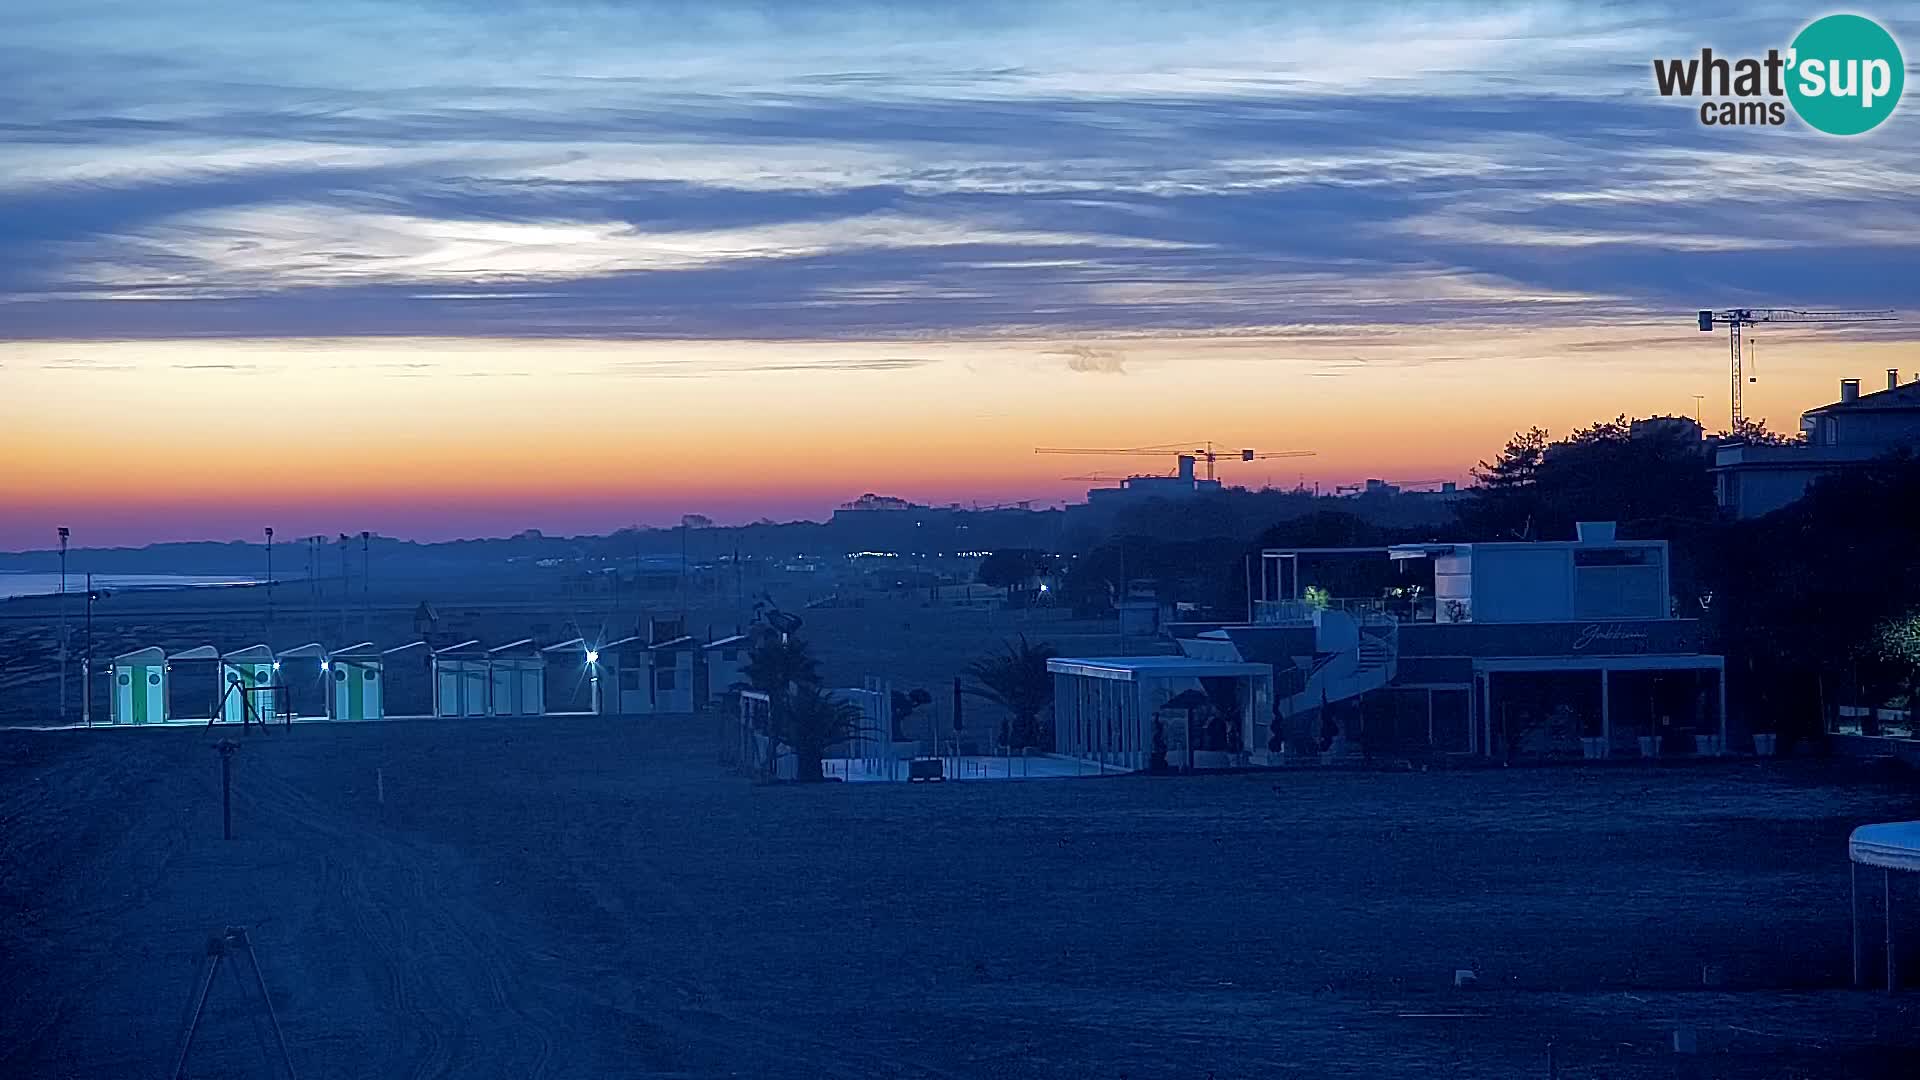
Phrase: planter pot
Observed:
(1709, 745)
(1593, 747)
(1764, 743)
(1650, 746)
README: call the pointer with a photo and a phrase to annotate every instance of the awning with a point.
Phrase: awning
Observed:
(1894, 845)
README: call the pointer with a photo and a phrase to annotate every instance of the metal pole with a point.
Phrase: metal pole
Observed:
(366, 583)
(214, 950)
(1246, 567)
(63, 624)
(1886, 903)
(273, 1019)
(343, 586)
(87, 664)
(269, 584)
(1853, 887)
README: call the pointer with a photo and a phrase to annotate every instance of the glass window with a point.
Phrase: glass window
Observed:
(663, 679)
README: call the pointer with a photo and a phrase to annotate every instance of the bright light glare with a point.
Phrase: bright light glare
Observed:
(593, 656)
(323, 665)
(276, 665)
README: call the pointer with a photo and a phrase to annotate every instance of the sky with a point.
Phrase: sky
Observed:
(443, 268)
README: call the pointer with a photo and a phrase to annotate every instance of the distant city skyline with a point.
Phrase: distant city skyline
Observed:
(443, 269)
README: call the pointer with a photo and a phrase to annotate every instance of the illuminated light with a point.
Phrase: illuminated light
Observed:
(276, 665)
(323, 665)
(1044, 587)
(593, 656)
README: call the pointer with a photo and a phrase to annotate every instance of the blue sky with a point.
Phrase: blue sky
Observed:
(830, 171)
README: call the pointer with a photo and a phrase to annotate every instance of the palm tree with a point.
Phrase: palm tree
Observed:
(1017, 680)
(777, 664)
(812, 722)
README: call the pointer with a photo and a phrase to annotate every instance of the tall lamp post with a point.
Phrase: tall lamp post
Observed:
(269, 583)
(63, 624)
(86, 664)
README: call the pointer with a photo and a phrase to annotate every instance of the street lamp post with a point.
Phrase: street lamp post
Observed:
(63, 624)
(86, 664)
(269, 583)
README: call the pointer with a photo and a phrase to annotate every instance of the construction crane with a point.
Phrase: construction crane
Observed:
(1184, 453)
(1735, 319)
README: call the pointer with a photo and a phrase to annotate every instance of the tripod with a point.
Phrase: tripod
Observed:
(231, 942)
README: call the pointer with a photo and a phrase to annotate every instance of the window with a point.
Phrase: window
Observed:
(125, 679)
(339, 675)
(369, 675)
(663, 679)
(729, 655)
(630, 679)
(153, 678)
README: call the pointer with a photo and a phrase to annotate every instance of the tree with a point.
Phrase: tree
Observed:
(1009, 568)
(1017, 680)
(1757, 433)
(812, 722)
(775, 666)
(1655, 483)
(1805, 596)
(904, 706)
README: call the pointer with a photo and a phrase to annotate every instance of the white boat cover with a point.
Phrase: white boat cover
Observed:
(1894, 845)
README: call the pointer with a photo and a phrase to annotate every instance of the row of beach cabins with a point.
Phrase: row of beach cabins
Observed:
(362, 681)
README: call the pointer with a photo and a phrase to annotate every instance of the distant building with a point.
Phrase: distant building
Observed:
(1134, 489)
(877, 504)
(1682, 429)
(1751, 479)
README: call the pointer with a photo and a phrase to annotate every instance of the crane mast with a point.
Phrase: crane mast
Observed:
(1736, 319)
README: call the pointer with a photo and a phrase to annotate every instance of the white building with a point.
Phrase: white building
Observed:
(1751, 480)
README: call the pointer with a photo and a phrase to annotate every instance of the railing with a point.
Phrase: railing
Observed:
(1282, 612)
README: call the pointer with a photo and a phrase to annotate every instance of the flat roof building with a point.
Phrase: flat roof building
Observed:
(1752, 479)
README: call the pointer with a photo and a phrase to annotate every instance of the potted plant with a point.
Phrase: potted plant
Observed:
(1650, 742)
(1765, 743)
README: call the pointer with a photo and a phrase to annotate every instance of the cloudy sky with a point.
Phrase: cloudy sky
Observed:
(445, 267)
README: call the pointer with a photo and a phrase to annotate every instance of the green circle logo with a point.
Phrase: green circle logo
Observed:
(1847, 74)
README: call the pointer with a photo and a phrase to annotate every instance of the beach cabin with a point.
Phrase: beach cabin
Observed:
(517, 678)
(460, 680)
(724, 668)
(356, 681)
(608, 679)
(670, 663)
(139, 687)
(193, 691)
(246, 678)
(303, 680)
(408, 681)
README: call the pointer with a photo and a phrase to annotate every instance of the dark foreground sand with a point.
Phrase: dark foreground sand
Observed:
(594, 898)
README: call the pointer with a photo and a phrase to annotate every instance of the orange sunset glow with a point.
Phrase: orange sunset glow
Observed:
(431, 437)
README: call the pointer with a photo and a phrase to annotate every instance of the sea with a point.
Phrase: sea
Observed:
(14, 583)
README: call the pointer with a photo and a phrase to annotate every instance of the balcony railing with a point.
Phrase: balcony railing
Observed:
(1363, 609)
